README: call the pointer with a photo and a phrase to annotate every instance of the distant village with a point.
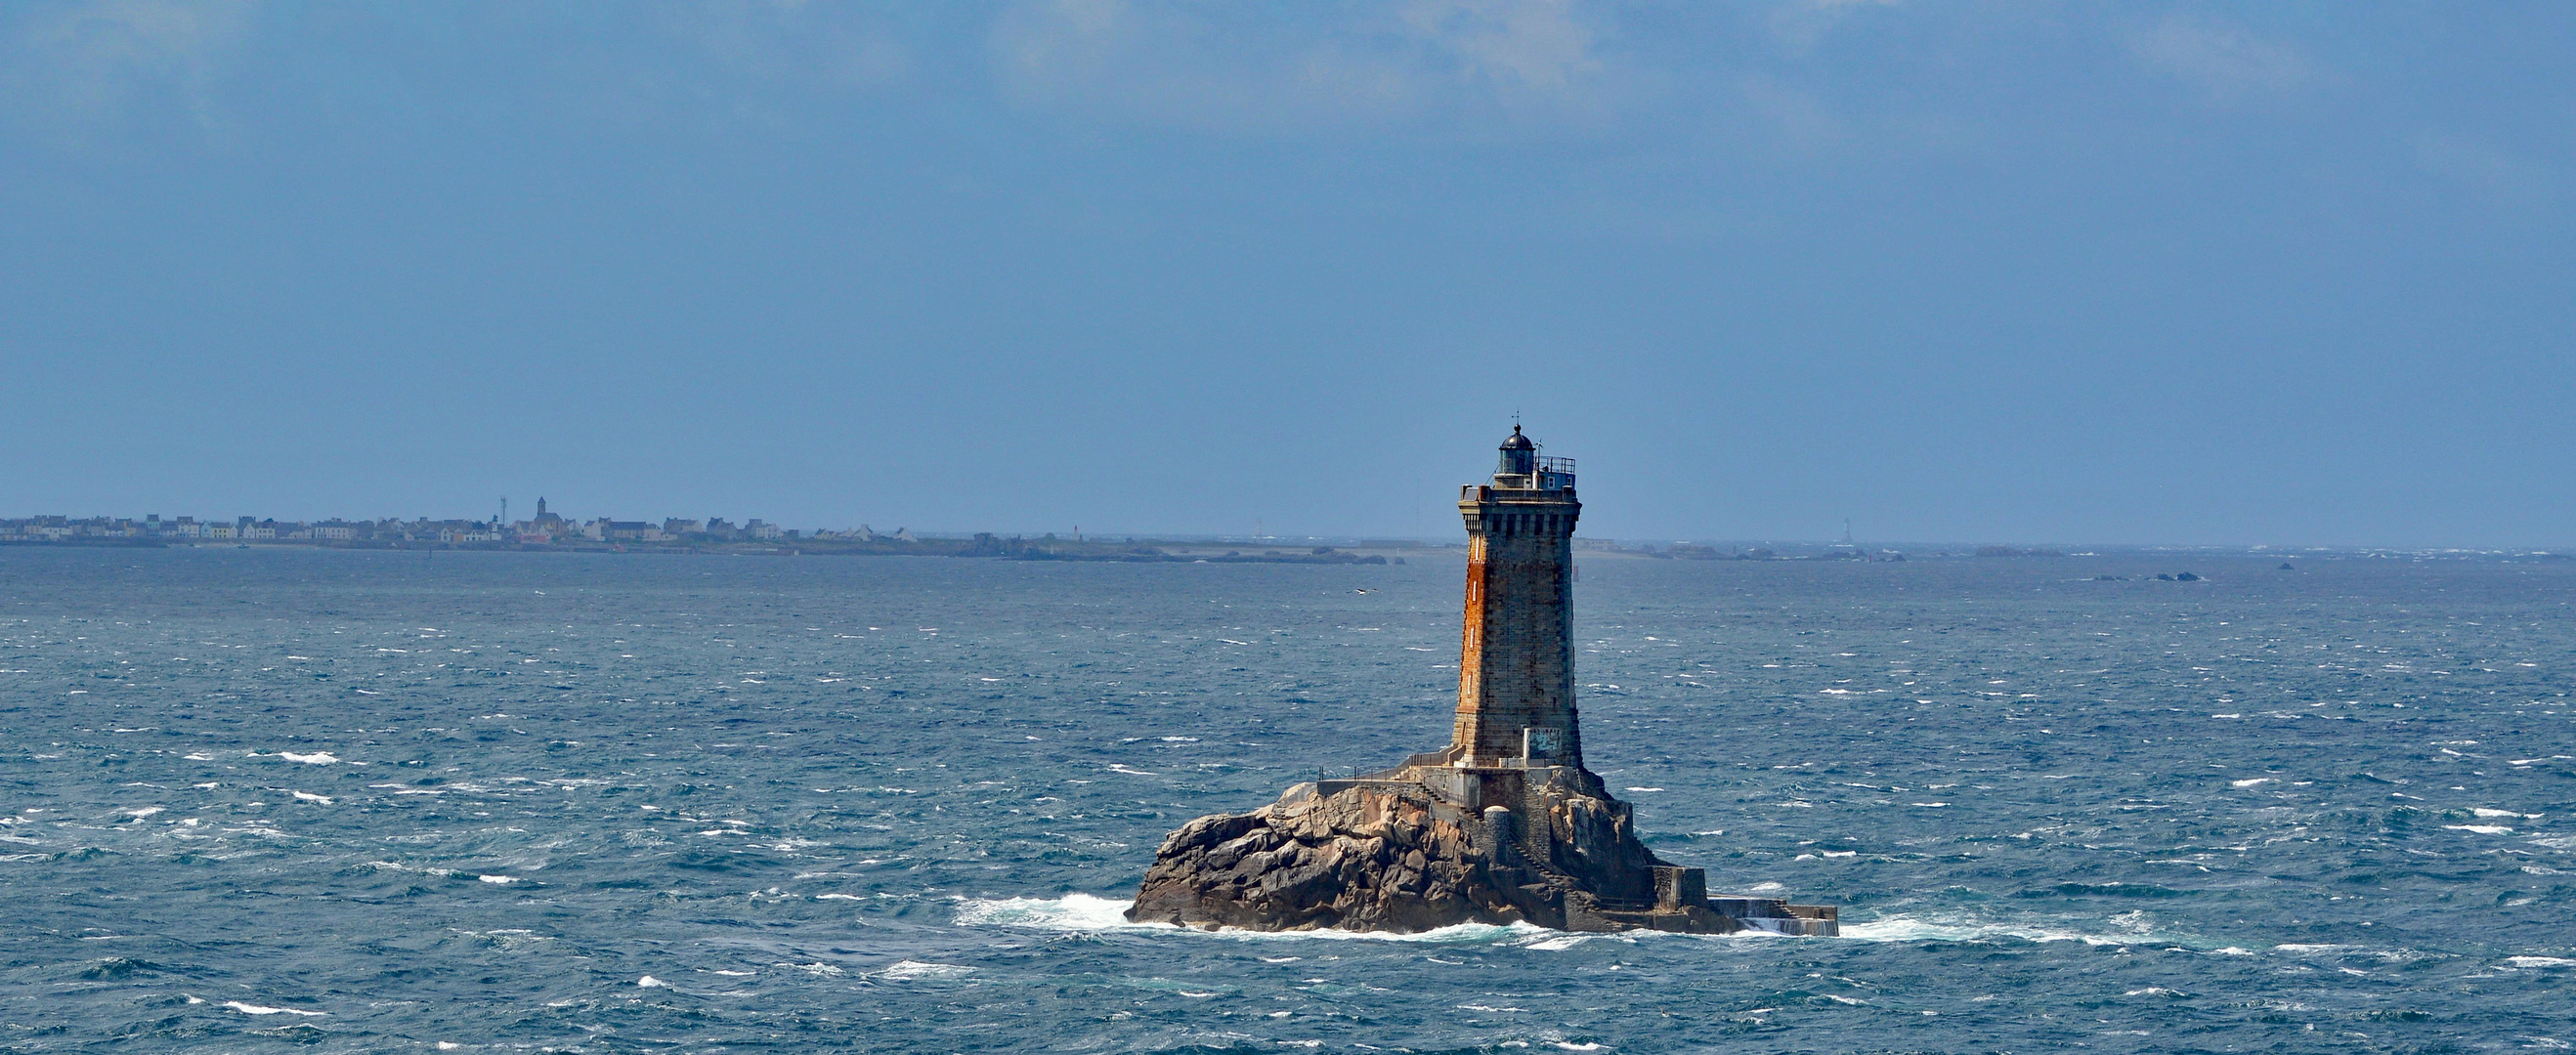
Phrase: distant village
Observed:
(544, 529)
(550, 531)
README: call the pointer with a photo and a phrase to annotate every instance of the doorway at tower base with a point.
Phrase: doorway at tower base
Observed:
(1426, 846)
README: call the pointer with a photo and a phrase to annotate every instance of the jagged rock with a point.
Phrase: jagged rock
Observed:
(1366, 858)
(1390, 855)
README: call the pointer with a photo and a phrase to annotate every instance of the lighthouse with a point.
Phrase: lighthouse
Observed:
(1504, 825)
(1516, 650)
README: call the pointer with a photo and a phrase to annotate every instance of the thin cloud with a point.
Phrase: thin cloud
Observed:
(1251, 70)
(1801, 24)
(2481, 167)
(1795, 118)
(107, 61)
(2227, 63)
(794, 41)
(1514, 45)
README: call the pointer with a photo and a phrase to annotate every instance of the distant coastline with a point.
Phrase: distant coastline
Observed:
(549, 533)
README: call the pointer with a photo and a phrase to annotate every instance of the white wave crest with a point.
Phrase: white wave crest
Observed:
(255, 1009)
(1965, 928)
(1908, 928)
(1072, 912)
(915, 970)
(1092, 914)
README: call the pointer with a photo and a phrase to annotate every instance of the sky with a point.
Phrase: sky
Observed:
(2281, 273)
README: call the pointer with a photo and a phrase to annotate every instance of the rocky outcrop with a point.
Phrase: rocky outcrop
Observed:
(1374, 857)
(1391, 855)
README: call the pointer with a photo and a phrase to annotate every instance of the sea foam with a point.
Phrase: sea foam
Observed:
(1092, 914)
(255, 1009)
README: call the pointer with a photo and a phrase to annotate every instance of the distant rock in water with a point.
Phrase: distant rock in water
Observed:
(2285, 566)
(2186, 577)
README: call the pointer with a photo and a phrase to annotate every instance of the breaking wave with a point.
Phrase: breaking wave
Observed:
(1092, 914)
(1968, 928)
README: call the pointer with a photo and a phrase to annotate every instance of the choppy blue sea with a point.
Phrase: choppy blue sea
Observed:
(299, 800)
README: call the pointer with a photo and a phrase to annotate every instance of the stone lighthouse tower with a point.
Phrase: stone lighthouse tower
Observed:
(1504, 825)
(1516, 654)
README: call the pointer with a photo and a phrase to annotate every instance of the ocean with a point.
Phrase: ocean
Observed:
(272, 800)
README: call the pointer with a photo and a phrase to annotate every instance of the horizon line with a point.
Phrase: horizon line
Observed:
(2024, 547)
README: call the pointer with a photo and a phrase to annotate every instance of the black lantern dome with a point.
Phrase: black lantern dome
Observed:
(1520, 456)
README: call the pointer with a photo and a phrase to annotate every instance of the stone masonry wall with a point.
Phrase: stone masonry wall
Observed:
(1516, 661)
